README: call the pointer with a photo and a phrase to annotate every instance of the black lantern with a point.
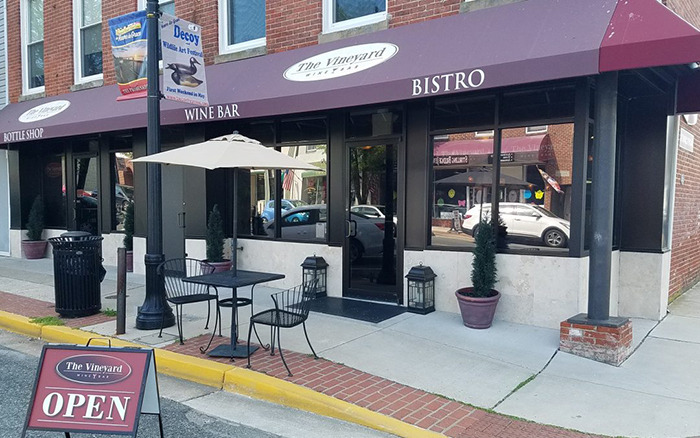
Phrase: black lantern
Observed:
(421, 289)
(315, 268)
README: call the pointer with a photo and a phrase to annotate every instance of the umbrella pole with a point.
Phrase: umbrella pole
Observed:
(234, 239)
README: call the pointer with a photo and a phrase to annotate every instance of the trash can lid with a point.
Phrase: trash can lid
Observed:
(76, 235)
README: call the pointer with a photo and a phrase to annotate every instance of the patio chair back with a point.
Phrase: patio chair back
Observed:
(174, 270)
(294, 304)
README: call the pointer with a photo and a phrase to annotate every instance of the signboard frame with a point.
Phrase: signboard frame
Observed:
(148, 389)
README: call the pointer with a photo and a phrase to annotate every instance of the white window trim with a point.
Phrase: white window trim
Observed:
(24, 19)
(329, 26)
(481, 134)
(224, 46)
(542, 129)
(77, 46)
(142, 3)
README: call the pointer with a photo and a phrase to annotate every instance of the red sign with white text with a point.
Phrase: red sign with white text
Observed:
(89, 389)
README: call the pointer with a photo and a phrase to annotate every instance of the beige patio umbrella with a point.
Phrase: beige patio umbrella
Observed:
(233, 151)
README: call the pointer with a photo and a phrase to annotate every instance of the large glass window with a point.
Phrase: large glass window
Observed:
(535, 188)
(462, 180)
(242, 24)
(345, 14)
(300, 197)
(535, 165)
(54, 190)
(88, 39)
(123, 183)
(33, 40)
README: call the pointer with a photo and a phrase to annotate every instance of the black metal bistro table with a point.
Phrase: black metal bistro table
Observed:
(233, 280)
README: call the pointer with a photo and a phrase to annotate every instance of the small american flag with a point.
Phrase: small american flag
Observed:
(288, 179)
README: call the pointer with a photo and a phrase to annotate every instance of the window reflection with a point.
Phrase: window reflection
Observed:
(54, 190)
(462, 176)
(535, 186)
(123, 182)
(534, 189)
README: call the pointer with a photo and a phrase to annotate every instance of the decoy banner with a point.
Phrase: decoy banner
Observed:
(128, 34)
(183, 61)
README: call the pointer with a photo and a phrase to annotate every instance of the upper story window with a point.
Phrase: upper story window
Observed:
(241, 25)
(33, 46)
(345, 14)
(87, 21)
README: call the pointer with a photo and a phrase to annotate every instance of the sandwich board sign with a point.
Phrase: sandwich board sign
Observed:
(99, 390)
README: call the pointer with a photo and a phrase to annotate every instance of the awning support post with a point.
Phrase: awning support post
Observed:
(603, 197)
(155, 309)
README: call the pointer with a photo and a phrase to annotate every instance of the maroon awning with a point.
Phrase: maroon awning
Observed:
(538, 147)
(526, 42)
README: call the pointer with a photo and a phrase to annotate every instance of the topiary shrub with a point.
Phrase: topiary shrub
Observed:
(129, 227)
(484, 263)
(35, 223)
(215, 236)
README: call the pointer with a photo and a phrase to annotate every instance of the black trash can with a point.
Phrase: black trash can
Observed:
(78, 271)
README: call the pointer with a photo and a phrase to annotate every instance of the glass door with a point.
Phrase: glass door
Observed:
(372, 222)
(86, 194)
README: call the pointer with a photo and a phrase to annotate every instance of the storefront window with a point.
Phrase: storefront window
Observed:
(86, 195)
(465, 113)
(535, 187)
(462, 181)
(54, 190)
(303, 193)
(123, 187)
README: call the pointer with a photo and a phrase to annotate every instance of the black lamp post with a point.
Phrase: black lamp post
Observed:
(315, 268)
(155, 309)
(421, 289)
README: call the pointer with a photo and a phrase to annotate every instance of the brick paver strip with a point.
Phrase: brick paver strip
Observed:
(32, 308)
(402, 402)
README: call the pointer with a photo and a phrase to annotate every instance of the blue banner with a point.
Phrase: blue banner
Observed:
(129, 47)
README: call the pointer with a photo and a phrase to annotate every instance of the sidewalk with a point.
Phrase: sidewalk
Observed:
(410, 366)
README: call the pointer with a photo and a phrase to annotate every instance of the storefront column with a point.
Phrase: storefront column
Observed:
(602, 197)
(596, 335)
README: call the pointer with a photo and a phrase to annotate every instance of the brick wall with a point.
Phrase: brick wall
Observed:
(404, 12)
(290, 24)
(14, 51)
(685, 254)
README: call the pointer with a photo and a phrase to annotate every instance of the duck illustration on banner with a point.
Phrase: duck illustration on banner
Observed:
(184, 56)
(184, 75)
(551, 181)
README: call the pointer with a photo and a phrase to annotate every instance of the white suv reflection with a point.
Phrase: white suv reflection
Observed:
(523, 220)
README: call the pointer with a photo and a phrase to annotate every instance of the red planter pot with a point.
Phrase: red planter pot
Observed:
(476, 312)
(34, 249)
(129, 261)
(220, 266)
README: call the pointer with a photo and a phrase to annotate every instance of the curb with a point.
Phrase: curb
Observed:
(227, 377)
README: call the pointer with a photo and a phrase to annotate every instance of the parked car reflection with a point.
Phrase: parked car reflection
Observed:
(268, 213)
(309, 223)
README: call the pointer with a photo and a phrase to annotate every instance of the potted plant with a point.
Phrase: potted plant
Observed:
(215, 242)
(478, 303)
(129, 236)
(33, 246)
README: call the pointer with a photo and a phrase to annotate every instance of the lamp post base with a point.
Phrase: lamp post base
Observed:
(155, 309)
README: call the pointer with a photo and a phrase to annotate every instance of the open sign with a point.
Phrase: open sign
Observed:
(93, 390)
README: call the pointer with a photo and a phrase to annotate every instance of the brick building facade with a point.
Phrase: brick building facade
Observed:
(533, 83)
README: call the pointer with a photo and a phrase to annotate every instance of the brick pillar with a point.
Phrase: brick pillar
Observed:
(609, 342)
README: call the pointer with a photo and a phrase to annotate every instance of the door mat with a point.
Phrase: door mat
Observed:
(354, 309)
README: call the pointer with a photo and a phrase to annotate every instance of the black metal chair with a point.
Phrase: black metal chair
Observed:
(291, 309)
(179, 293)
